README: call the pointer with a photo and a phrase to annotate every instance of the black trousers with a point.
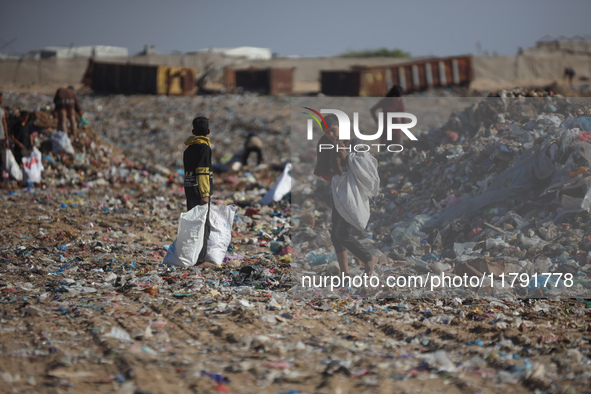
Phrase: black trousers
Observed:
(247, 153)
(18, 154)
(194, 199)
(342, 239)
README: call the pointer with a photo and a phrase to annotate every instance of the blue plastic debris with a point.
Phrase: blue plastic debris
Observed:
(218, 378)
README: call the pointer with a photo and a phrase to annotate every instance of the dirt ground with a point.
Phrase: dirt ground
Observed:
(55, 341)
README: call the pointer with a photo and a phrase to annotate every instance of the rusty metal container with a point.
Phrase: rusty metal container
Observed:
(412, 77)
(229, 79)
(340, 83)
(174, 80)
(372, 82)
(425, 74)
(359, 82)
(140, 79)
(273, 81)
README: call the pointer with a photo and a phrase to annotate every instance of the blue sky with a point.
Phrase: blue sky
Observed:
(305, 28)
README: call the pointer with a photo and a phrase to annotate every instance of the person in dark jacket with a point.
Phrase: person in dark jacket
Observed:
(22, 137)
(198, 180)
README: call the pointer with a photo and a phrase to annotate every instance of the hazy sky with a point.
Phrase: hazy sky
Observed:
(306, 28)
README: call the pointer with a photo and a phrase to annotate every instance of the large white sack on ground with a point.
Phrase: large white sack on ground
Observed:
(60, 142)
(185, 249)
(32, 166)
(11, 166)
(281, 187)
(352, 190)
(221, 218)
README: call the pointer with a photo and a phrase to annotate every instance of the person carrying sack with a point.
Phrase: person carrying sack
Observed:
(330, 165)
(197, 163)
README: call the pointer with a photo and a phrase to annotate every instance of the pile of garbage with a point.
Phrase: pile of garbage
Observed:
(154, 128)
(86, 303)
(139, 139)
(510, 195)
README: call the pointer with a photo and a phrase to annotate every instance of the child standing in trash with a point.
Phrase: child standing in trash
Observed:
(329, 163)
(198, 180)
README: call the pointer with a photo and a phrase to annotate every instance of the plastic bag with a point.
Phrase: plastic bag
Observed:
(60, 142)
(185, 249)
(352, 190)
(281, 188)
(11, 166)
(32, 166)
(221, 218)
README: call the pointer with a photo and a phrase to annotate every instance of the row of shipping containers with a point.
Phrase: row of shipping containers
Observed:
(412, 76)
(128, 78)
(362, 81)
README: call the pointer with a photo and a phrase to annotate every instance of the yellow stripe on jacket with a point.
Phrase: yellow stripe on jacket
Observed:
(202, 174)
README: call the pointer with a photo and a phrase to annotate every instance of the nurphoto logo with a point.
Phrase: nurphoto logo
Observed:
(393, 120)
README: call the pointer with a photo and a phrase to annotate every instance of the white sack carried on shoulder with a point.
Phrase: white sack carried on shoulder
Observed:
(32, 166)
(12, 167)
(281, 187)
(221, 218)
(352, 190)
(185, 249)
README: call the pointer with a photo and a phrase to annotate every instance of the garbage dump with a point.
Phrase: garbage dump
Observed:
(88, 305)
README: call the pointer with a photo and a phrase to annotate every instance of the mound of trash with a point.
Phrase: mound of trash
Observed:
(503, 187)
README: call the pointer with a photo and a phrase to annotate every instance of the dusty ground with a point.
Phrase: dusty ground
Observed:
(61, 342)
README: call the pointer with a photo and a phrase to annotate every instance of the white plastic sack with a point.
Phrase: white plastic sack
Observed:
(11, 166)
(185, 249)
(352, 190)
(60, 142)
(221, 218)
(281, 187)
(32, 166)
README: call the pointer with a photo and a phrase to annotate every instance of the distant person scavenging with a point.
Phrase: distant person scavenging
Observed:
(253, 143)
(569, 73)
(66, 103)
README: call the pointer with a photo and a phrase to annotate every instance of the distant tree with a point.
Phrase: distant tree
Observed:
(380, 52)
